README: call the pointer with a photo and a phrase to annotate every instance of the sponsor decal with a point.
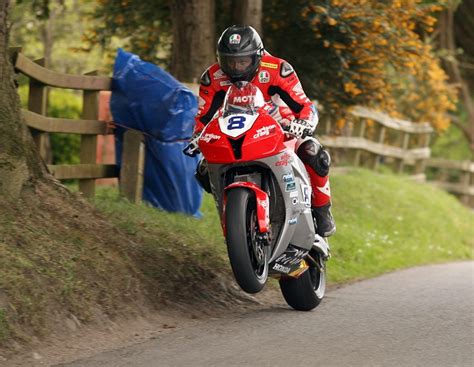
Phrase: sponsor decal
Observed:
(219, 74)
(290, 186)
(281, 268)
(242, 99)
(288, 177)
(264, 131)
(298, 89)
(269, 65)
(234, 39)
(325, 189)
(285, 159)
(264, 76)
(294, 194)
(286, 69)
(293, 221)
(292, 256)
(225, 83)
(307, 196)
(209, 137)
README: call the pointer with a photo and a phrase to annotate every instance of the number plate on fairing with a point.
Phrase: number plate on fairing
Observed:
(236, 125)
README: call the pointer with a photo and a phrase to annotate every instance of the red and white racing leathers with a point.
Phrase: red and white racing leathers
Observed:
(281, 87)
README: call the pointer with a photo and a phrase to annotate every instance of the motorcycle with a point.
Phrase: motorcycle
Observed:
(263, 195)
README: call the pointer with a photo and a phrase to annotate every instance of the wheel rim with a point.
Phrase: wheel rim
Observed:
(257, 249)
(318, 278)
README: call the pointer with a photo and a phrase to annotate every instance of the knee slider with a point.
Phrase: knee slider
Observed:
(323, 162)
(314, 155)
(202, 175)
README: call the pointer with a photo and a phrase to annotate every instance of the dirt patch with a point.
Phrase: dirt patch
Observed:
(74, 343)
(73, 284)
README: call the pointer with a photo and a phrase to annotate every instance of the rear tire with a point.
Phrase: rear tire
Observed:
(248, 257)
(306, 292)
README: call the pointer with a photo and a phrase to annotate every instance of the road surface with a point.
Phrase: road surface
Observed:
(417, 317)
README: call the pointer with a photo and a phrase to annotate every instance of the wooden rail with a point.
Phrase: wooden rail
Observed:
(41, 78)
(373, 137)
(456, 177)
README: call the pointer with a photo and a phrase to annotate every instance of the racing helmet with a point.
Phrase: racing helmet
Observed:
(239, 51)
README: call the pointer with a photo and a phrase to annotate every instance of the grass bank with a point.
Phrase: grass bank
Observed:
(73, 262)
(384, 222)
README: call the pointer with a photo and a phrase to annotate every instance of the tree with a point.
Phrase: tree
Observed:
(248, 12)
(177, 34)
(193, 38)
(363, 52)
(455, 30)
(142, 27)
(20, 165)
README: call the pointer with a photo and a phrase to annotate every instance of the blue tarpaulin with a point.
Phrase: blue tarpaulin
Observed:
(146, 98)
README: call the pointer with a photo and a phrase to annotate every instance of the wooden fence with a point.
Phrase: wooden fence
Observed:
(371, 138)
(41, 78)
(456, 177)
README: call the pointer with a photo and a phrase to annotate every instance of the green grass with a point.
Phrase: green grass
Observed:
(63, 258)
(171, 231)
(384, 223)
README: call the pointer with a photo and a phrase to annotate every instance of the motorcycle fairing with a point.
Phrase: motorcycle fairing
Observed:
(297, 226)
(236, 125)
(264, 141)
(290, 263)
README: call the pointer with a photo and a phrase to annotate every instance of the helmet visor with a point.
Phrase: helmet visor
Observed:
(237, 66)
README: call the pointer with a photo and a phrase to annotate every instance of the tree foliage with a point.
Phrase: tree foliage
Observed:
(64, 21)
(142, 27)
(364, 52)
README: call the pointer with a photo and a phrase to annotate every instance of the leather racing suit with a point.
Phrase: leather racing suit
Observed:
(281, 87)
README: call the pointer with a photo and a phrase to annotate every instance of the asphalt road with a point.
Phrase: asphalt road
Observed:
(417, 317)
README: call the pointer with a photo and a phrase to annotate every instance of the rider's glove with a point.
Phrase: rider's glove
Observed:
(192, 149)
(300, 128)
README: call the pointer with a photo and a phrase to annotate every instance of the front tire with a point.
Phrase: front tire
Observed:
(306, 292)
(247, 254)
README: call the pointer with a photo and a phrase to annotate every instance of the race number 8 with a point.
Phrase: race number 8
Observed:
(236, 122)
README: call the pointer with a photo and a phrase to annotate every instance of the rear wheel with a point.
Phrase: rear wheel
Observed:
(248, 254)
(307, 291)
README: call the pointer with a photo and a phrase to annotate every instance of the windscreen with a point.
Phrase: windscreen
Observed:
(242, 98)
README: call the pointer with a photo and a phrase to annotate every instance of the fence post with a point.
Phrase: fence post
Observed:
(399, 165)
(359, 133)
(380, 137)
(90, 111)
(420, 164)
(133, 160)
(465, 181)
(38, 102)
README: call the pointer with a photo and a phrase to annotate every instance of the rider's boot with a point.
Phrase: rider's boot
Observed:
(321, 205)
(325, 225)
(317, 162)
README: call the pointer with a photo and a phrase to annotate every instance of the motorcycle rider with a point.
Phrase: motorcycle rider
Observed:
(242, 57)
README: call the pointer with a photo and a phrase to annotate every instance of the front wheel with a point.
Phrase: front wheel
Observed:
(248, 254)
(307, 291)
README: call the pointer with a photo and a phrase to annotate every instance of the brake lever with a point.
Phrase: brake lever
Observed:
(191, 152)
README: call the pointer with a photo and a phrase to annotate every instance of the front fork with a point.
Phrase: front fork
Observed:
(262, 204)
